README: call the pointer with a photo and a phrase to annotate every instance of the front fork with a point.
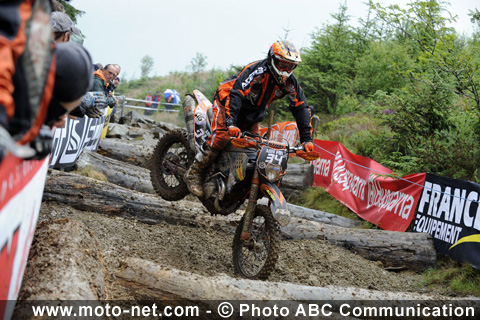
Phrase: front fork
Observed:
(250, 210)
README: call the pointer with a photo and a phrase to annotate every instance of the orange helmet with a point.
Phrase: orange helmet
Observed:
(283, 57)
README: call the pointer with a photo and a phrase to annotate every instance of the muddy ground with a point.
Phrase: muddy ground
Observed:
(103, 242)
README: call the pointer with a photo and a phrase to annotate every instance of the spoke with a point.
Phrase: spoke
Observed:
(253, 259)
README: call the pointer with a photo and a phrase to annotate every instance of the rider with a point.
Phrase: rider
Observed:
(241, 101)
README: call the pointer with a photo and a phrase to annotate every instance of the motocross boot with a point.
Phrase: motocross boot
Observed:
(193, 177)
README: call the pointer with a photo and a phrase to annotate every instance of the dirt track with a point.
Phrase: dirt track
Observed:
(103, 241)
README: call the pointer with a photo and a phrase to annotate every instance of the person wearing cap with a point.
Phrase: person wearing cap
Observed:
(26, 112)
(63, 27)
(73, 79)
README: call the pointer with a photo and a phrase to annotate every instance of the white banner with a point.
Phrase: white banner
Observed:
(76, 135)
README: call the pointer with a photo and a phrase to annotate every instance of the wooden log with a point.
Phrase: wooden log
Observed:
(299, 177)
(196, 287)
(321, 216)
(88, 194)
(133, 152)
(117, 172)
(396, 250)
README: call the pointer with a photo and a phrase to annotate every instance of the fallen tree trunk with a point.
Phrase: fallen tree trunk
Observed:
(133, 152)
(321, 216)
(117, 172)
(399, 250)
(299, 177)
(196, 287)
(87, 194)
(396, 250)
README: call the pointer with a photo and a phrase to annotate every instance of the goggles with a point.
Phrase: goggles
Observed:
(283, 65)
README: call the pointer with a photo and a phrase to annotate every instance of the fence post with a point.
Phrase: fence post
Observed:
(123, 105)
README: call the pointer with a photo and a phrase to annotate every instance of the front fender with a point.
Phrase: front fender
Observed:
(278, 203)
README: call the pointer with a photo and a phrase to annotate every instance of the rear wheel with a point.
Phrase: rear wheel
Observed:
(171, 158)
(257, 259)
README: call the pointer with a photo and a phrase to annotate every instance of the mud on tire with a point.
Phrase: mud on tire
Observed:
(257, 261)
(173, 147)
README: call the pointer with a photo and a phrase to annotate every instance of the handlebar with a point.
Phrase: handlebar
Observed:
(250, 140)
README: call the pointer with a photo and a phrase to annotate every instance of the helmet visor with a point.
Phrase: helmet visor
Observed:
(283, 65)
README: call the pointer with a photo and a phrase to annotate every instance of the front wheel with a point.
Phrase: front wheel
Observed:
(171, 158)
(257, 259)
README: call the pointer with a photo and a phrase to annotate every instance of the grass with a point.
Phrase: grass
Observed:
(461, 278)
(319, 199)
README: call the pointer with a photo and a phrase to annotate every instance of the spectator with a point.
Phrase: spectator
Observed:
(63, 27)
(73, 78)
(169, 100)
(156, 100)
(97, 66)
(148, 103)
(118, 69)
(101, 80)
(24, 111)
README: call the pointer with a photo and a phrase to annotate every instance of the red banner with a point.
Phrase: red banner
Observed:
(21, 190)
(366, 187)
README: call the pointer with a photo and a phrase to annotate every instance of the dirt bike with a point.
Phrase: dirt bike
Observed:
(249, 168)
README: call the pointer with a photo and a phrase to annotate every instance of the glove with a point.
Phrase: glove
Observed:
(234, 131)
(93, 112)
(308, 146)
(88, 100)
(42, 143)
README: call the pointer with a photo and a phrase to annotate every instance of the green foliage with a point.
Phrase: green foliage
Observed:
(327, 70)
(198, 63)
(71, 11)
(319, 199)
(146, 65)
(381, 68)
(454, 276)
(443, 61)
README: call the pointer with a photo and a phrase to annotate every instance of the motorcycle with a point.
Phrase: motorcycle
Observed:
(249, 168)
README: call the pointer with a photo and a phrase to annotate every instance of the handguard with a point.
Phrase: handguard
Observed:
(308, 156)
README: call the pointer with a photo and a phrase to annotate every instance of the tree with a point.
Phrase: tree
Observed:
(70, 10)
(440, 53)
(328, 66)
(146, 65)
(198, 63)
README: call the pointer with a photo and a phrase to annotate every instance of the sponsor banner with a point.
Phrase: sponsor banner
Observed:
(107, 121)
(367, 187)
(449, 210)
(77, 134)
(21, 191)
(284, 131)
